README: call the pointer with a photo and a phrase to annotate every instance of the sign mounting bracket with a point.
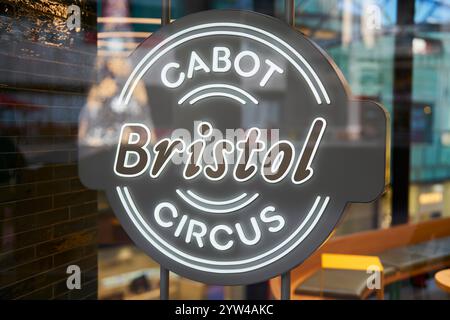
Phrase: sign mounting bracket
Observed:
(289, 16)
(164, 273)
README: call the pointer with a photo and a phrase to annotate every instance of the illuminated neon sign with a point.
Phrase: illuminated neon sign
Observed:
(252, 150)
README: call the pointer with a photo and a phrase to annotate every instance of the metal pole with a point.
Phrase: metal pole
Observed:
(163, 272)
(289, 12)
(289, 17)
(286, 286)
(402, 110)
(165, 12)
(163, 284)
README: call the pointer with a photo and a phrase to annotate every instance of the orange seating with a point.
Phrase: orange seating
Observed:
(407, 250)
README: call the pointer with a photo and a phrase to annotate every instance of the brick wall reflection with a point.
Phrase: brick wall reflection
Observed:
(48, 220)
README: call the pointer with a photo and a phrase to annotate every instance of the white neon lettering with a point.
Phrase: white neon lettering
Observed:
(195, 151)
(197, 234)
(180, 226)
(224, 58)
(272, 68)
(277, 161)
(213, 240)
(316, 146)
(165, 81)
(252, 71)
(157, 214)
(166, 161)
(124, 128)
(257, 146)
(218, 147)
(243, 236)
(198, 230)
(139, 72)
(151, 236)
(274, 218)
(195, 64)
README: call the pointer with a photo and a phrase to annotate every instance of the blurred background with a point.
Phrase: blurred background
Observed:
(56, 59)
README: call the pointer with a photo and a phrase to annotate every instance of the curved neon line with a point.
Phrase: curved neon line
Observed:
(127, 209)
(302, 72)
(216, 94)
(213, 202)
(216, 85)
(211, 210)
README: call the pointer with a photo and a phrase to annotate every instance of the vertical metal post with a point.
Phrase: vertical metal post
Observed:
(402, 105)
(165, 12)
(289, 17)
(163, 272)
(163, 284)
(286, 286)
(289, 12)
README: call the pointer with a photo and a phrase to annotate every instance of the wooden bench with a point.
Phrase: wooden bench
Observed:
(394, 246)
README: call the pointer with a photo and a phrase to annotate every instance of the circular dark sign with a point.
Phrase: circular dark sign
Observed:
(245, 153)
